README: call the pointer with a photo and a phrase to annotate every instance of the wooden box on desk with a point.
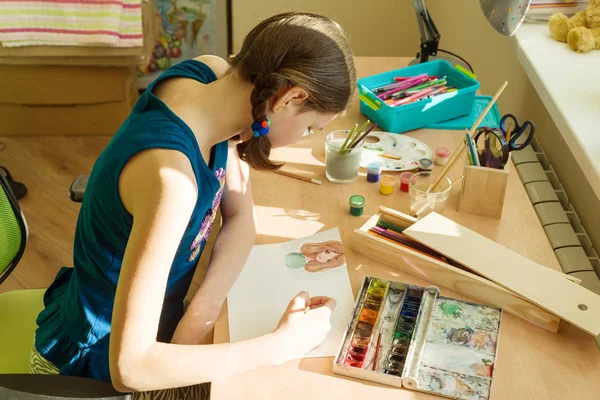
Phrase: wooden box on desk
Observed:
(483, 190)
(492, 274)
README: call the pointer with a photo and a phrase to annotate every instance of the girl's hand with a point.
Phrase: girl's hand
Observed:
(304, 325)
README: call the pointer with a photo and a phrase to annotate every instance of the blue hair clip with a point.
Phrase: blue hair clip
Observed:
(261, 128)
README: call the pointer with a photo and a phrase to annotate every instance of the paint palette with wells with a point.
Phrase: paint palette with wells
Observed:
(394, 152)
(409, 336)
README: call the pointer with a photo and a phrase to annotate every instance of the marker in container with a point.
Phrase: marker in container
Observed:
(404, 179)
(386, 184)
(442, 154)
(425, 164)
(357, 205)
(373, 171)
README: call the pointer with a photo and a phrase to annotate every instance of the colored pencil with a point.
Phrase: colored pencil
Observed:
(477, 161)
(387, 225)
(404, 85)
(406, 246)
(435, 82)
(413, 97)
(383, 89)
(474, 158)
(398, 100)
(400, 238)
(387, 95)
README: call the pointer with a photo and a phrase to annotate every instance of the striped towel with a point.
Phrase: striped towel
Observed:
(543, 9)
(71, 22)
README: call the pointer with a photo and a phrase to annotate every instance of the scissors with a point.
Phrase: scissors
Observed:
(517, 130)
(495, 149)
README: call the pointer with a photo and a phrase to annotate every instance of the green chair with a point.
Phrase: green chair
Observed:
(18, 312)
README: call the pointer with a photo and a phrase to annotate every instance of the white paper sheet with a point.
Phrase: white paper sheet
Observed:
(266, 285)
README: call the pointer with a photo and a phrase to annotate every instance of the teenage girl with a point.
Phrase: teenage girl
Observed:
(152, 198)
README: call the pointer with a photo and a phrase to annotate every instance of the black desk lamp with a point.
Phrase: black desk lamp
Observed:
(504, 15)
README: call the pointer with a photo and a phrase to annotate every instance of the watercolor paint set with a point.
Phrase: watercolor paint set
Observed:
(409, 336)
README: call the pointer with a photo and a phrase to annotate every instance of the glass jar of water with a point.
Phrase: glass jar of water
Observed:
(341, 167)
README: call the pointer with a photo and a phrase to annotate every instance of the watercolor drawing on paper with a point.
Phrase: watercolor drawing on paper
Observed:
(317, 257)
(271, 278)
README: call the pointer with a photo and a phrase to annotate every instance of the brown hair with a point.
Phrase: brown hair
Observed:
(311, 250)
(294, 49)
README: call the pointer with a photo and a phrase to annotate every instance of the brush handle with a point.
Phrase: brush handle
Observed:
(364, 135)
(348, 138)
(488, 108)
(298, 176)
(455, 156)
(461, 148)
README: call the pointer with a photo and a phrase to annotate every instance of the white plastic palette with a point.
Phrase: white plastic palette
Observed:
(393, 151)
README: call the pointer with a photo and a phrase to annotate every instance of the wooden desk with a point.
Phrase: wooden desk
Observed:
(532, 363)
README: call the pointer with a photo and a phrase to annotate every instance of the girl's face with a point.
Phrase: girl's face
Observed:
(289, 119)
(287, 128)
(325, 256)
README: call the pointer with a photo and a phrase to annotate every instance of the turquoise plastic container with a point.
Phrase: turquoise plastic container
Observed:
(491, 120)
(421, 113)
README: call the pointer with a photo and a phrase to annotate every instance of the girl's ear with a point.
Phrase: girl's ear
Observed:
(289, 97)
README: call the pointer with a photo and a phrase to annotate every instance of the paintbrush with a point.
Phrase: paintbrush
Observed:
(377, 351)
(348, 138)
(364, 135)
(462, 147)
(349, 147)
(298, 176)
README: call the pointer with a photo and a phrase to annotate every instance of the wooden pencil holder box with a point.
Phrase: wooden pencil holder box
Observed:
(481, 269)
(483, 190)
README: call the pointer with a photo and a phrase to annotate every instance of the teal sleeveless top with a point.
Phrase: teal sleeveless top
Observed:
(74, 328)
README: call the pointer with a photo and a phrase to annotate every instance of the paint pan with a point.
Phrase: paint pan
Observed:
(366, 318)
(409, 336)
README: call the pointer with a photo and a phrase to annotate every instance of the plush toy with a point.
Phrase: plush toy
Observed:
(581, 31)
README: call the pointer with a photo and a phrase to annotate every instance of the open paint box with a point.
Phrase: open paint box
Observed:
(481, 269)
(409, 336)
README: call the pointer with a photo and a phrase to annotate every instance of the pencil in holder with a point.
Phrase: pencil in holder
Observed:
(483, 190)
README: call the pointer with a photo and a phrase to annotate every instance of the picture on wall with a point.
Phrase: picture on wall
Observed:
(188, 29)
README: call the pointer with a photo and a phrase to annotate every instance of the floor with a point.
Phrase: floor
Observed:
(47, 166)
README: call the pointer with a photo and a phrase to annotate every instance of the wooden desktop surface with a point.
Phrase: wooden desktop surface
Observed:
(532, 363)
